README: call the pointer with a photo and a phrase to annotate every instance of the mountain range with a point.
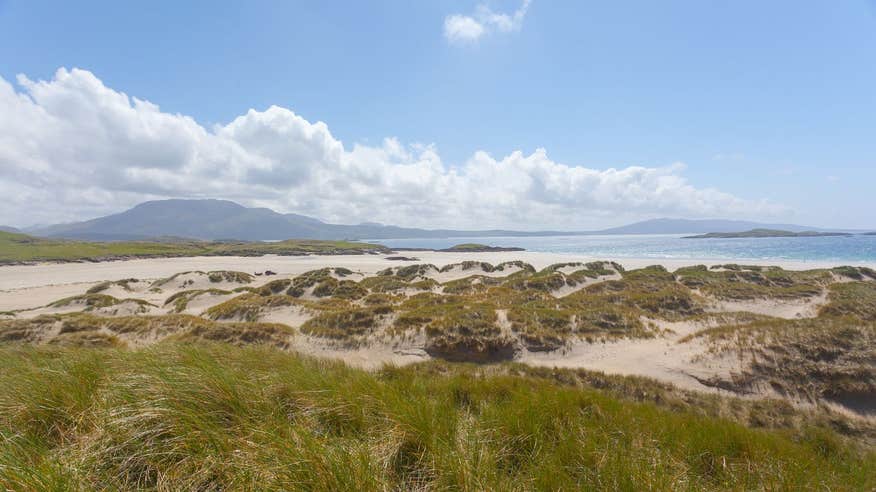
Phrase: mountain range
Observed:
(221, 219)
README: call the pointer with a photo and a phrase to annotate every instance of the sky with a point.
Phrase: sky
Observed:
(524, 114)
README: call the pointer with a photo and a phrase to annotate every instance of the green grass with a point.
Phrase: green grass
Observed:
(17, 248)
(192, 417)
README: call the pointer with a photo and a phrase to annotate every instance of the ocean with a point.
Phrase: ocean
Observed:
(839, 249)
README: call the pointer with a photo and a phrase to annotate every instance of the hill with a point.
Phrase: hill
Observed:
(8, 229)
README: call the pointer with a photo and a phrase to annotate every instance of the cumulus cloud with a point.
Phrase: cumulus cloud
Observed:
(469, 28)
(72, 148)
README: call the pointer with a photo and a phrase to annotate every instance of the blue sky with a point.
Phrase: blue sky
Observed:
(765, 101)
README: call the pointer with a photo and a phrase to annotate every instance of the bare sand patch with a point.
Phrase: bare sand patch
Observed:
(778, 308)
(663, 357)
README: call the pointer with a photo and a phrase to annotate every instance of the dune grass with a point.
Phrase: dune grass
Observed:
(211, 417)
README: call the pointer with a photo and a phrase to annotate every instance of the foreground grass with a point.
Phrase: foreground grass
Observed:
(211, 417)
(16, 248)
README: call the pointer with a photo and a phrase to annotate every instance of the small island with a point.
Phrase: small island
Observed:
(477, 248)
(759, 233)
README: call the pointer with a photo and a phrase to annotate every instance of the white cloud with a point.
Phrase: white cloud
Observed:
(461, 28)
(470, 28)
(72, 148)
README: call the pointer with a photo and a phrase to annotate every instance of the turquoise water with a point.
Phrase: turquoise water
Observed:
(852, 249)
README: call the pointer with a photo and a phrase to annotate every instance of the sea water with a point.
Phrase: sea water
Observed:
(839, 249)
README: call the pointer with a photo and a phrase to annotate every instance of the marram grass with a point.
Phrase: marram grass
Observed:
(218, 417)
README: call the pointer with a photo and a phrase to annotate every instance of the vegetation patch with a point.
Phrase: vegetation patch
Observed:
(650, 291)
(542, 326)
(274, 287)
(410, 272)
(86, 330)
(344, 289)
(734, 282)
(855, 273)
(385, 283)
(247, 307)
(322, 281)
(230, 277)
(468, 332)
(347, 324)
(269, 334)
(470, 285)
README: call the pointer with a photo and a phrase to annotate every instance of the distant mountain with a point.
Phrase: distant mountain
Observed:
(755, 233)
(688, 226)
(8, 229)
(222, 219)
(198, 219)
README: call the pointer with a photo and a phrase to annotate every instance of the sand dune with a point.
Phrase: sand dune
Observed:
(665, 351)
